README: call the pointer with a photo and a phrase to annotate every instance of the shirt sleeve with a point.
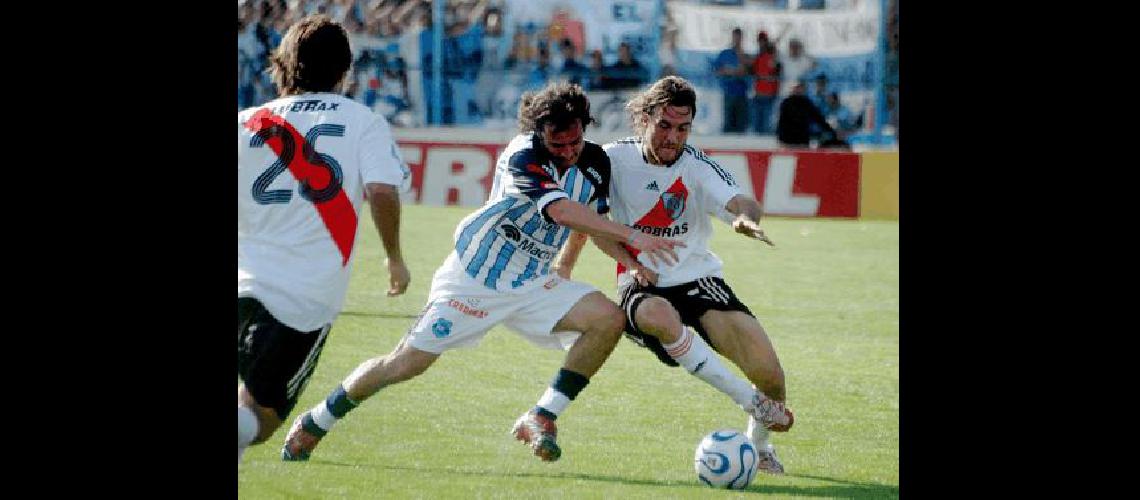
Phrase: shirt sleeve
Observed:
(717, 186)
(531, 179)
(380, 159)
(595, 165)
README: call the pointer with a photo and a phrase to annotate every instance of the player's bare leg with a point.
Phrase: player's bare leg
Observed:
(256, 430)
(600, 322)
(741, 339)
(656, 316)
(267, 420)
(403, 363)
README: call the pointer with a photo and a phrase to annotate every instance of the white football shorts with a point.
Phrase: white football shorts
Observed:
(460, 311)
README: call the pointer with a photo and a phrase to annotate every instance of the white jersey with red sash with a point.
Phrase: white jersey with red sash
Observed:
(672, 201)
(303, 162)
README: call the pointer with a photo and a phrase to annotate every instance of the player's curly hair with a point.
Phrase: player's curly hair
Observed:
(558, 104)
(671, 90)
(314, 56)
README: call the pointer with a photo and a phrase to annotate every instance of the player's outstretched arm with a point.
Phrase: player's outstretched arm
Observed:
(581, 218)
(616, 251)
(384, 200)
(747, 211)
(564, 262)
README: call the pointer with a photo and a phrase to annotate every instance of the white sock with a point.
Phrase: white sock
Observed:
(247, 428)
(691, 352)
(757, 433)
(553, 401)
(322, 416)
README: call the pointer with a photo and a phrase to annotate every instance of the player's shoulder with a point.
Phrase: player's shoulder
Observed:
(628, 144)
(595, 162)
(694, 158)
(593, 152)
(522, 148)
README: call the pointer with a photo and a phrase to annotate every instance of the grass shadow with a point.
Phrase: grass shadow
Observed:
(840, 488)
(365, 314)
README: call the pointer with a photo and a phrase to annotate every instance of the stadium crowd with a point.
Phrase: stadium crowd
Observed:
(487, 64)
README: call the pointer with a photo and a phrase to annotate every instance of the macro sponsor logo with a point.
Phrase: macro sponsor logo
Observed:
(530, 247)
(466, 309)
(511, 232)
(527, 244)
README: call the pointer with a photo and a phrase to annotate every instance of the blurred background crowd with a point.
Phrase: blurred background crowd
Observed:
(746, 57)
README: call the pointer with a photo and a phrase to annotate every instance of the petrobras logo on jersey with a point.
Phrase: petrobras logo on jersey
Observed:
(307, 105)
(466, 309)
(667, 232)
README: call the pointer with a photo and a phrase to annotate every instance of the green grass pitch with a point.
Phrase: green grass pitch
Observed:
(827, 294)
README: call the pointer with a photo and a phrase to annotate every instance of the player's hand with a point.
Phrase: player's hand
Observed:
(398, 277)
(656, 247)
(644, 275)
(750, 229)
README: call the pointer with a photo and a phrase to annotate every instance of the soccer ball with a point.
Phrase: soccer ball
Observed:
(726, 458)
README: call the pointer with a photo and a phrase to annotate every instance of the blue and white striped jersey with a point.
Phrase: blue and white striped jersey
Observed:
(511, 240)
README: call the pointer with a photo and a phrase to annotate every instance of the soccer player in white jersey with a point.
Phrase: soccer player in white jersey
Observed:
(662, 186)
(548, 181)
(305, 164)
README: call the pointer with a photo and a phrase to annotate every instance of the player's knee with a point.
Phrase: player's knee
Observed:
(610, 321)
(656, 316)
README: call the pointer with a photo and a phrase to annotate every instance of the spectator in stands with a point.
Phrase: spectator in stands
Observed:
(521, 54)
(797, 115)
(731, 68)
(627, 72)
(820, 91)
(572, 70)
(766, 70)
(597, 78)
(667, 51)
(839, 117)
(541, 71)
(795, 65)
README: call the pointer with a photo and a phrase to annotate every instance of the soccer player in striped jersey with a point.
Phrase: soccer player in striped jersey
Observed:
(305, 163)
(663, 186)
(548, 181)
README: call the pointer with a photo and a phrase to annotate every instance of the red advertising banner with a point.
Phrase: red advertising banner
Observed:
(797, 183)
(786, 182)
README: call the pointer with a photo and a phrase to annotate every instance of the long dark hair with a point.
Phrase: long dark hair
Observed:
(313, 57)
(558, 104)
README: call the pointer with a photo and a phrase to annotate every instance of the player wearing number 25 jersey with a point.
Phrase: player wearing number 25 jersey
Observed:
(303, 163)
(306, 162)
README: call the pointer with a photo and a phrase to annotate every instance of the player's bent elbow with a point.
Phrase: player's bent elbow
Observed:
(559, 212)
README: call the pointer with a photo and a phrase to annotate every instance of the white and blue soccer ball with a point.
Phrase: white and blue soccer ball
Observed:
(726, 458)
